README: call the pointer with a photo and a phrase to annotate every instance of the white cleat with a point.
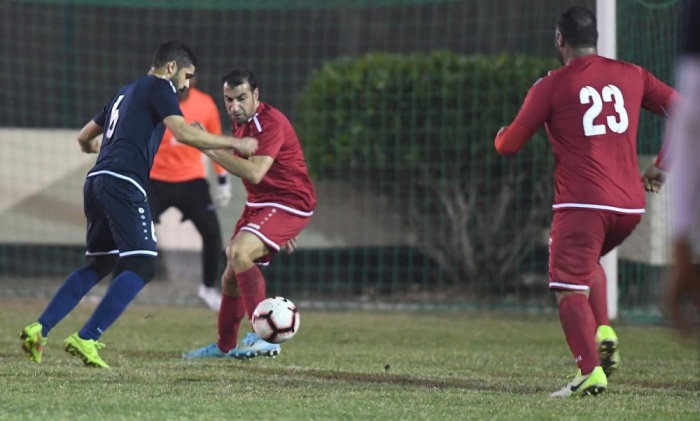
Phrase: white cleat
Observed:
(211, 297)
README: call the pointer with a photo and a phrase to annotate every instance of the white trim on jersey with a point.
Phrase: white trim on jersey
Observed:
(262, 237)
(123, 177)
(596, 207)
(101, 253)
(133, 252)
(279, 206)
(561, 285)
(257, 122)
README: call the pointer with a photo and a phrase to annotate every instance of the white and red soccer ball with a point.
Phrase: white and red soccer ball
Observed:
(275, 319)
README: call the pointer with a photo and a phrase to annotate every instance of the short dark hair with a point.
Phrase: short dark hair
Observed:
(176, 51)
(578, 26)
(239, 76)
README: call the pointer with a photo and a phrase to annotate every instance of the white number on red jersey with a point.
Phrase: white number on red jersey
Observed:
(611, 93)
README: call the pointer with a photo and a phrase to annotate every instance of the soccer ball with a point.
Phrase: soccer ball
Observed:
(275, 320)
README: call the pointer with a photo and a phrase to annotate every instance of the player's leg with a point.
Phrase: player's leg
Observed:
(242, 253)
(575, 241)
(199, 208)
(233, 304)
(231, 314)
(258, 235)
(132, 229)
(619, 228)
(605, 336)
(101, 254)
(161, 196)
(267, 230)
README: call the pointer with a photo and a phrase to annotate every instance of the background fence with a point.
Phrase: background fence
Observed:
(396, 103)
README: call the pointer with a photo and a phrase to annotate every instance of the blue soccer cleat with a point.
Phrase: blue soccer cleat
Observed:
(253, 346)
(209, 351)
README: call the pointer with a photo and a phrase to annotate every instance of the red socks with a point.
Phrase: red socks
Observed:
(233, 309)
(230, 315)
(579, 328)
(598, 296)
(252, 286)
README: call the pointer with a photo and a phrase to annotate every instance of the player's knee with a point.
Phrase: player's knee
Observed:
(561, 294)
(102, 265)
(236, 255)
(143, 266)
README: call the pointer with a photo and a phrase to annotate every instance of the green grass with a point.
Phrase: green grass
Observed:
(341, 365)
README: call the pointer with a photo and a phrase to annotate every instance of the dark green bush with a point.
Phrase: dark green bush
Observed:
(419, 130)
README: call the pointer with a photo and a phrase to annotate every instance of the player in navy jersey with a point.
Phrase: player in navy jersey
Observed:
(590, 108)
(120, 234)
(684, 285)
(281, 199)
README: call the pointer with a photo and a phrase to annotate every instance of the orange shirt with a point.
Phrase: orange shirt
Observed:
(176, 162)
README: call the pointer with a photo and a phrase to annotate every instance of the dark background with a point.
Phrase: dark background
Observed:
(61, 63)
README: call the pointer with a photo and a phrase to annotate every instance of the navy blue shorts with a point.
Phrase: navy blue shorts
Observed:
(118, 218)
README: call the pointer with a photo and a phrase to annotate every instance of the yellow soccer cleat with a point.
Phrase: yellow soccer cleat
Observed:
(608, 354)
(33, 341)
(85, 349)
(594, 383)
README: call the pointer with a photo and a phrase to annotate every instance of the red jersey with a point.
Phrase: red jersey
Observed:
(286, 185)
(176, 162)
(590, 109)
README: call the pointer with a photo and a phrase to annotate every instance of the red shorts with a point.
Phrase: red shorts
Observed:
(272, 225)
(577, 241)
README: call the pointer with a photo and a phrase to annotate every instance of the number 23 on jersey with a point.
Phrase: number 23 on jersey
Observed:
(616, 123)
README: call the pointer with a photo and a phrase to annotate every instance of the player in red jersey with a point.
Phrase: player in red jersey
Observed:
(281, 199)
(590, 108)
(684, 285)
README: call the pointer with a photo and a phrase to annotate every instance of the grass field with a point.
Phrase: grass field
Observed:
(341, 366)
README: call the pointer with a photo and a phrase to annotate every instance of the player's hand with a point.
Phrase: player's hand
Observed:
(198, 125)
(246, 146)
(223, 192)
(653, 179)
(290, 245)
(683, 287)
(91, 146)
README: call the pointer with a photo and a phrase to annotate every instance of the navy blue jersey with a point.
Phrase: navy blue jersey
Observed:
(134, 127)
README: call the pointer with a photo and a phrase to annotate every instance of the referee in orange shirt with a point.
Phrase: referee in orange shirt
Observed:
(178, 179)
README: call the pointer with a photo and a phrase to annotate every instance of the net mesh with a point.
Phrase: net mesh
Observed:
(396, 103)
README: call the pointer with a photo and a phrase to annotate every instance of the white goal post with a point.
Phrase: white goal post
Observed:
(607, 46)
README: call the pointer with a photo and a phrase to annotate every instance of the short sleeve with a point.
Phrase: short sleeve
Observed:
(537, 105)
(270, 140)
(101, 117)
(164, 99)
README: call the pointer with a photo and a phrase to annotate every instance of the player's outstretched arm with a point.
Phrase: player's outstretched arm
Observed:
(87, 138)
(252, 170)
(201, 139)
(510, 139)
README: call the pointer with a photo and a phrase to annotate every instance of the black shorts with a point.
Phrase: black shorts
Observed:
(118, 217)
(191, 197)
